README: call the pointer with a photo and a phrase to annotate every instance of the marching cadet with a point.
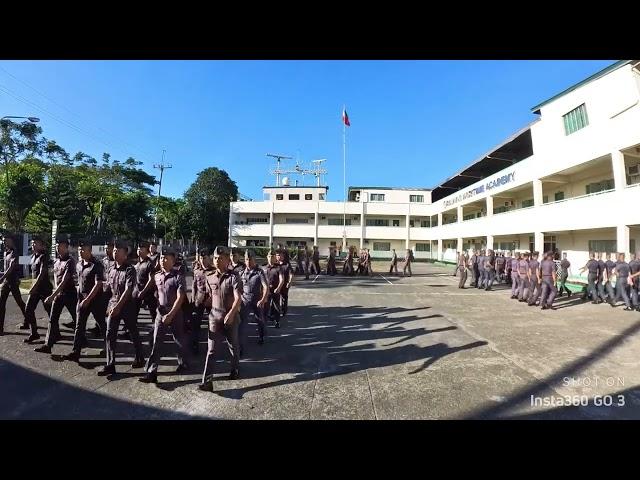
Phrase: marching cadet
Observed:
(634, 281)
(515, 275)
(507, 267)
(41, 288)
(236, 265)
(500, 264)
(10, 283)
(369, 263)
(463, 262)
(199, 295)
(609, 266)
(171, 286)
(523, 277)
(303, 262)
(121, 307)
(394, 262)
(362, 269)
(490, 269)
(602, 267)
(64, 295)
(533, 274)
(90, 274)
(621, 272)
(592, 267)
(144, 290)
(225, 291)
(331, 262)
(154, 256)
(255, 292)
(564, 274)
(282, 259)
(276, 280)
(475, 261)
(347, 267)
(408, 258)
(548, 273)
(107, 264)
(315, 261)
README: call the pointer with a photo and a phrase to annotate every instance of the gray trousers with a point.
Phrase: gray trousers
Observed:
(534, 290)
(68, 300)
(159, 332)
(246, 309)
(97, 308)
(610, 291)
(621, 290)
(490, 276)
(591, 287)
(32, 303)
(635, 286)
(463, 276)
(601, 292)
(563, 280)
(128, 315)
(523, 287)
(407, 265)
(219, 331)
(515, 284)
(13, 289)
(476, 275)
(482, 274)
(548, 291)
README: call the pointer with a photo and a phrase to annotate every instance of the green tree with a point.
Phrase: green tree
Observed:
(206, 207)
(21, 194)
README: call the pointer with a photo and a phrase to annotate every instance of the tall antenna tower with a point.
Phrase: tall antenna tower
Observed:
(279, 171)
(317, 171)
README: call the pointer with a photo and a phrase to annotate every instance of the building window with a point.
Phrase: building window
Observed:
(506, 246)
(575, 120)
(471, 216)
(500, 210)
(332, 244)
(527, 203)
(423, 247)
(382, 246)
(256, 243)
(296, 220)
(424, 223)
(321, 196)
(308, 196)
(396, 223)
(600, 186)
(338, 221)
(558, 196)
(416, 198)
(411, 223)
(279, 196)
(603, 246)
(257, 220)
(376, 197)
(377, 222)
(294, 196)
(296, 243)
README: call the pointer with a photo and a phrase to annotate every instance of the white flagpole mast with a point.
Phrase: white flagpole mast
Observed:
(344, 179)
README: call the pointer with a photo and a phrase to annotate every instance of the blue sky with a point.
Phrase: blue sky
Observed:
(413, 123)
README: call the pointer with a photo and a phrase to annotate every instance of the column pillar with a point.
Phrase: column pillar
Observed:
(622, 240)
(537, 192)
(460, 210)
(489, 206)
(489, 242)
(538, 242)
(439, 248)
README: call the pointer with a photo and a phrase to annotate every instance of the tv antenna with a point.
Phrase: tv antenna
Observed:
(279, 171)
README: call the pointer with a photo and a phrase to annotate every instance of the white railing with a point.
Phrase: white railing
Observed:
(602, 192)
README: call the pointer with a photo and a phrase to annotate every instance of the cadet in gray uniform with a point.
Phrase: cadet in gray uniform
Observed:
(515, 276)
(90, 275)
(507, 268)
(10, 282)
(154, 256)
(634, 283)
(408, 258)
(315, 262)
(276, 280)
(500, 264)
(144, 290)
(255, 293)
(200, 295)
(225, 289)
(171, 286)
(121, 307)
(347, 267)
(369, 263)
(236, 265)
(393, 267)
(602, 267)
(475, 259)
(463, 262)
(489, 269)
(534, 279)
(40, 289)
(482, 274)
(523, 278)
(331, 262)
(548, 274)
(621, 272)
(282, 259)
(64, 295)
(564, 274)
(609, 266)
(592, 267)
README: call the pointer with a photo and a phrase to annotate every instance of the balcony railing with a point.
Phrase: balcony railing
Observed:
(602, 192)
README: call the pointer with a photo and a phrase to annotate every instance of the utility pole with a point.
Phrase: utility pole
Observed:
(162, 168)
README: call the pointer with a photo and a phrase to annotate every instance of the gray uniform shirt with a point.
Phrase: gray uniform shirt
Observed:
(534, 265)
(120, 279)
(252, 284)
(623, 269)
(88, 274)
(60, 268)
(221, 287)
(169, 285)
(547, 267)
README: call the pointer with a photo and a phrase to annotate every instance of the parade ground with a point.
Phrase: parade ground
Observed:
(379, 347)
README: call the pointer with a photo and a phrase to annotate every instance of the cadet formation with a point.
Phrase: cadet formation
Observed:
(229, 292)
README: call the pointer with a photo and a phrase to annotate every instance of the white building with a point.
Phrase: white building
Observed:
(570, 181)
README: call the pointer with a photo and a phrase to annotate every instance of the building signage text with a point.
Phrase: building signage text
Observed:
(491, 184)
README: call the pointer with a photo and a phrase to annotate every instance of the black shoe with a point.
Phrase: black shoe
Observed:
(488, 289)
(182, 368)
(206, 386)
(107, 370)
(31, 338)
(70, 325)
(23, 327)
(544, 307)
(277, 324)
(73, 356)
(1, 333)
(102, 353)
(234, 375)
(138, 363)
(43, 349)
(568, 293)
(149, 378)
(613, 305)
(628, 309)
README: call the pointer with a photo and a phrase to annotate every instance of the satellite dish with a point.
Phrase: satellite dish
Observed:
(285, 181)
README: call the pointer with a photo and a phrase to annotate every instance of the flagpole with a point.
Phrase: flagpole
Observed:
(344, 179)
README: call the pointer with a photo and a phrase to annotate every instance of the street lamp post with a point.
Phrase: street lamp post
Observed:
(5, 138)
